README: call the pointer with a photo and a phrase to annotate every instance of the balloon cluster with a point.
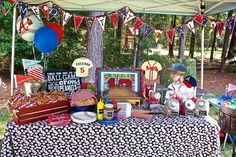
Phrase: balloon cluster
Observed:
(46, 38)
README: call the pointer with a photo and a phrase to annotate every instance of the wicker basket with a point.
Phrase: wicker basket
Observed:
(228, 119)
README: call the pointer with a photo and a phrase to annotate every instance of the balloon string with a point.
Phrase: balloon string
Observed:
(33, 51)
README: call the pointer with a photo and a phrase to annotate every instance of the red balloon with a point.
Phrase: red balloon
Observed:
(58, 29)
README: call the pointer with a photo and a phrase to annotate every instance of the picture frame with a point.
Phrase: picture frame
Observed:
(116, 77)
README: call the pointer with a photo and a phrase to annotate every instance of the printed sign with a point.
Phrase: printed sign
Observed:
(66, 81)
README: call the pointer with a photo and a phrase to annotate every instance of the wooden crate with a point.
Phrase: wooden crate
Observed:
(41, 112)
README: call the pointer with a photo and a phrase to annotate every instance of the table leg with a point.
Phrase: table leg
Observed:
(226, 136)
(234, 154)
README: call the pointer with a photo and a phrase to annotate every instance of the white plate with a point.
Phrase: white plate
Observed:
(84, 117)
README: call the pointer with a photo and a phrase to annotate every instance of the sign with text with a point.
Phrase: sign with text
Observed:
(66, 81)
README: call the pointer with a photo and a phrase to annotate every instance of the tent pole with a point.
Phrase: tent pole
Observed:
(202, 57)
(13, 49)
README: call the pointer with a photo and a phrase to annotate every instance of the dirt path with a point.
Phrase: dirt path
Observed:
(214, 82)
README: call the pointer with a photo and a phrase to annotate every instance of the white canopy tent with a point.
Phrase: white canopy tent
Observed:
(171, 7)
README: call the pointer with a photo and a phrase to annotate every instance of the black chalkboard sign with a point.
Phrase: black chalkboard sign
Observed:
(66, 81)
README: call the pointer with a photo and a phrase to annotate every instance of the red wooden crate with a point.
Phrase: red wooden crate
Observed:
(41, 112)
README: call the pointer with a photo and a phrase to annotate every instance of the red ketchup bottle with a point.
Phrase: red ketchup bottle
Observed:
(114, 103)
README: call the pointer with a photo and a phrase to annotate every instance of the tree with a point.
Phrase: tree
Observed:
(171, 46)
(225, 46)
(182, 40)
(213, 41)
(192, 45)
(95, 47)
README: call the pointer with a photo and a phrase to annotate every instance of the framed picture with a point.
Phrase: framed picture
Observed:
(108, 78)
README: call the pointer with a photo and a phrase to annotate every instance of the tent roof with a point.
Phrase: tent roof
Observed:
(174, 7)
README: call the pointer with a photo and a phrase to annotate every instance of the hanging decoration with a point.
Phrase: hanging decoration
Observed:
(23, 9)
(231, 24)
(65, 17)
(102, 20)
(213, 25)
(180, 32)
(28, 62)
(125, 13)
(198, 18)
(113, 18)
(89, 21)
(170, 34)
(190, 25)
(129, 16)
(122, 13)
(138, 23)
(35, 10)
(204, 21)
(77, 21)
(148, 30)
(58, 29)
(133, 32)
(45, 10)
(220, 26)
(7, 5)
(157, 34)
(54, 11)
(46, 39)
(27, 27)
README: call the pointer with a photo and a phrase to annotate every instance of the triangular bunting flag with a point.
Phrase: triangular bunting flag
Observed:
(77, 21)
(89, 21)
(21, 79)
(28, 62)
(133, 32)
(204, 21)
(157, 34)
(129, 16)
(122, 13)
(213, 25)
(170, 34)
(198, 18)
(102, 20)
(231, 24)
(36, 71)
(148, 30)
(190, 25)
(7, 5)
(138, 23)
(220, 26)
(65, 17)
(180, 31)
(113, 17)
(35, 10)
(54, 11)
(44, 8)
(23, 9)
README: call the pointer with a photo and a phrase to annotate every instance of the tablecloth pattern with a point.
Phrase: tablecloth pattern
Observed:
(161, 136)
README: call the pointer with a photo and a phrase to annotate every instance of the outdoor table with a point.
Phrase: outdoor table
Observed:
(161, 136)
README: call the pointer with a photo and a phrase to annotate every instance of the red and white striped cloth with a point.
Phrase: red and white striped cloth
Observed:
(36, 71)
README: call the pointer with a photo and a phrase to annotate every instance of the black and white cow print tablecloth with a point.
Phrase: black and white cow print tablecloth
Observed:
(161, 136)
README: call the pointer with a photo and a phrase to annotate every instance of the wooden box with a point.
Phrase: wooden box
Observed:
(41, 112)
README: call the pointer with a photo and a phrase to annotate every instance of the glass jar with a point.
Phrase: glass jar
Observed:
(108, 112)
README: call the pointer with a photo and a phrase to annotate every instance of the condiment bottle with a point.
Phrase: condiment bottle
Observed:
(108, 112)
(100, 109)
(115, 109)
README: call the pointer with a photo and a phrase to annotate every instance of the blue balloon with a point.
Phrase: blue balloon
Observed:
(45, 39)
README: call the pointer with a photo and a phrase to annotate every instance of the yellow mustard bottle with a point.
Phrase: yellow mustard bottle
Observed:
(100, 109)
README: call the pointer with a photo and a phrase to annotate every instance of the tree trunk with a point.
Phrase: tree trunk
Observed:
(214, 42)
(192, 44)
(95, 47)
(182, 41)
(225, 46)
(232, 45)
(171, 47)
